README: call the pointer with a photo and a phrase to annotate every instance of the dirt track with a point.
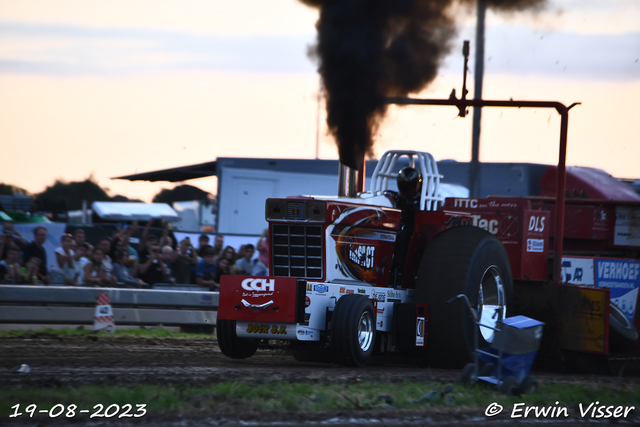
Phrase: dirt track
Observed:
(123, 360)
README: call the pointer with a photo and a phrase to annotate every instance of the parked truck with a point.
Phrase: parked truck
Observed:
(351, 275)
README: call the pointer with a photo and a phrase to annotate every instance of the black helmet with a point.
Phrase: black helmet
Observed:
(409, 182)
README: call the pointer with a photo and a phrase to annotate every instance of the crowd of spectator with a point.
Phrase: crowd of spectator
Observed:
(112, 261)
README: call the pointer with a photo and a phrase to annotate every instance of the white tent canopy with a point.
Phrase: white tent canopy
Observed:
(124, 211)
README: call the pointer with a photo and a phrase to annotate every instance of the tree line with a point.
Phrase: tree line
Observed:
(63, 196)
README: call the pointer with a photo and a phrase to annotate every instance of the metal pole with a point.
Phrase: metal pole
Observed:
(560, 188)
(318, 120)
(474, 166)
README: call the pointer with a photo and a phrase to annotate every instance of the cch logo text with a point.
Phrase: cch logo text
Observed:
(259, 285)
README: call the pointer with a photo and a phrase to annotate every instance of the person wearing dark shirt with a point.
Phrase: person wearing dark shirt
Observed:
(185, 261)
(10, 236)
(153, 269)
(207, 270)
(203, 243)
(36, 249)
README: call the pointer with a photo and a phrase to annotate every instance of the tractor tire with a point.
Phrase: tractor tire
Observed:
(353, 330)
(622, 333)
(462, 260)
(231, 345)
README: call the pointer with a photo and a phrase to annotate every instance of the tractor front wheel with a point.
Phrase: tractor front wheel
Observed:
(353, 330)
(230, 344)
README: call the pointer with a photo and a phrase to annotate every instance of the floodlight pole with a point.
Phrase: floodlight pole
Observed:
(474, 165)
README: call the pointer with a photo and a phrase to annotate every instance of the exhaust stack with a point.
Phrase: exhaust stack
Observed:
(347, 181)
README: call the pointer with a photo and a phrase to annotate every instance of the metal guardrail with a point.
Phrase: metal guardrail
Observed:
(22, 304)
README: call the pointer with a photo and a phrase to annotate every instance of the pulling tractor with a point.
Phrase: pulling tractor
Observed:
(361, 272)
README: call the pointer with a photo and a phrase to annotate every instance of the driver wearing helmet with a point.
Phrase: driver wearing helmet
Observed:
(408, 199)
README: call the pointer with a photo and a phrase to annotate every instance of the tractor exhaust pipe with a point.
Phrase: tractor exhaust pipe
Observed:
(347, 181)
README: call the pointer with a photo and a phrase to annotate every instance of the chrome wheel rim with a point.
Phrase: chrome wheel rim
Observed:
(365, 331)
(491, 302)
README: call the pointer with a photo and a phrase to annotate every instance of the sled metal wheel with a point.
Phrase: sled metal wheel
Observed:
(510, 386)
(528, 385)
(491, 301)
(469, 374)
(487, 370)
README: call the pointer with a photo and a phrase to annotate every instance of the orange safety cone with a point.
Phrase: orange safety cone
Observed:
(103, 319)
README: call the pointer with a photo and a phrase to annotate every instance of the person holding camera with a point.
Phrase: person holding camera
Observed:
(153, 269)
(185, 261)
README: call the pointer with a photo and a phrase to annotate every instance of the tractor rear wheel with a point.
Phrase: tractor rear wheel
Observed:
(462, 260)
(231, 345)
(353, 330)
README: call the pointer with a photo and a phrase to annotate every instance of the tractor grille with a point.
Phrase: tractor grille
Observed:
(297, 251)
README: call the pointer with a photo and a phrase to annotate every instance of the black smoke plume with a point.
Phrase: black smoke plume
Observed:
(372, 49)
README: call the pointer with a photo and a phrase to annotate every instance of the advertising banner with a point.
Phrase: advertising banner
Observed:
(622, 278)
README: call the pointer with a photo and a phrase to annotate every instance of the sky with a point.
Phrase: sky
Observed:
(111, 88)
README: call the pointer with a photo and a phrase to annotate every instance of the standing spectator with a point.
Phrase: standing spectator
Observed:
(6, 241)
(223, 268)
(203, 242)
(146, 240)
(10, 236)
(168, 257)
(36, 249)
(79, 236)
(167, 241)
(246, 263)
(229, 254)
(153, 269)
(262, 265)
(241, 251)
(80, 260)
(218, 244)
(207, 270)
(122, 273)
(185, 261)
(86, 256)
(122, 239)
(130, 263)
(32, 271)
(12, 264)
(63, 271)
(107, 264)
(93, 271)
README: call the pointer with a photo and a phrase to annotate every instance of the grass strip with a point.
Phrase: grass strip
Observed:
(238, 397)
(81, 331)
